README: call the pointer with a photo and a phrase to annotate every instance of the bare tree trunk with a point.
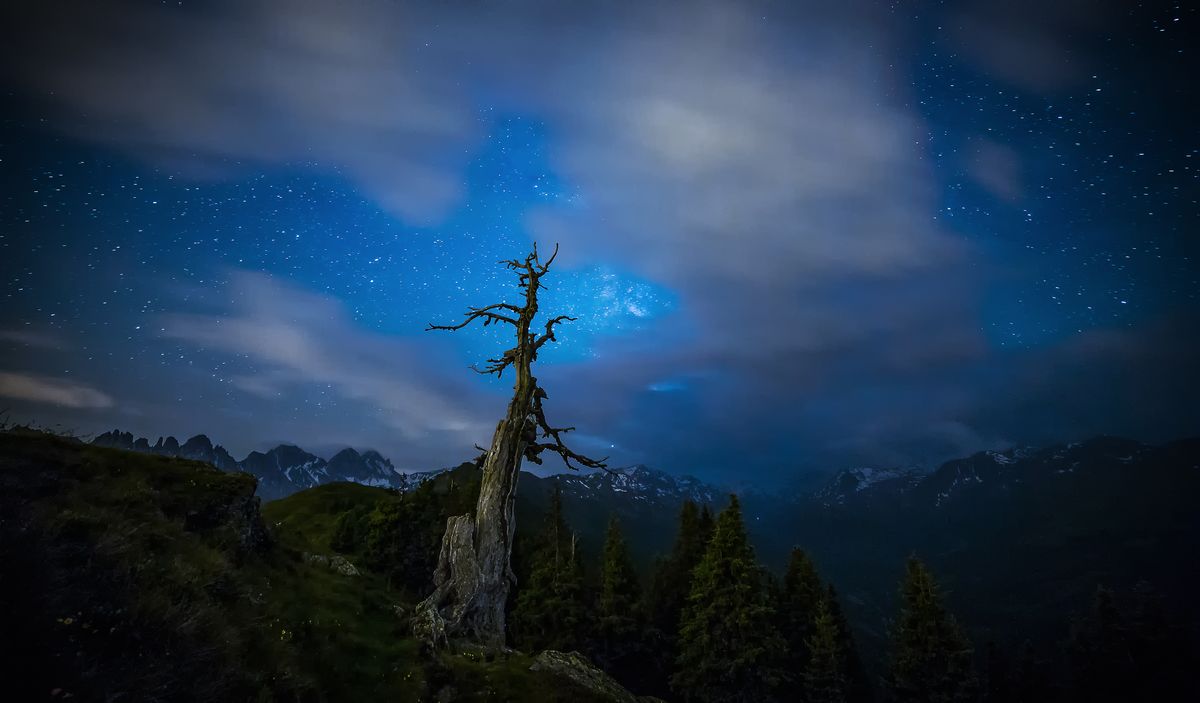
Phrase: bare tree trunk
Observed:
(474, 575)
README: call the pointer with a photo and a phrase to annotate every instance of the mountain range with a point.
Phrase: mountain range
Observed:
(281, 471)
(287, 469)
(1019, 536)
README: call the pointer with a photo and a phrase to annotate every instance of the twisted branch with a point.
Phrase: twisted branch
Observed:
(534, 448)
(484, 313)
(548, 336)
(497, 366)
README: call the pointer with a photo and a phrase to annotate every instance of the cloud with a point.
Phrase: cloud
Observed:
(31, 339)
(294, 340)
(770, 172)
(765, 163)
(52, 391)
(253, 85)
(747, 157)
(745, 142)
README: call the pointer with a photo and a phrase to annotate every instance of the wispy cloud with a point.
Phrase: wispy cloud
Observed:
(30, 338)
(297, 340)
(63, 392)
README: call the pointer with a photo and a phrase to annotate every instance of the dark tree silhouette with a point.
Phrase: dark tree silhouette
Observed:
(474, 574)
(729, 648)
(618, 625)
(931, 656)
(550, 608)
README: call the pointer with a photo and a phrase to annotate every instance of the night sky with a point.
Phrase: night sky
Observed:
(798, 236)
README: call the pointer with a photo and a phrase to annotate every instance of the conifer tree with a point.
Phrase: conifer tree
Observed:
(1136, 653)
(798, 603)
(931, 657)
(549, 612)
(729, 648)
(1099, 651)
(997, 679)
(858, 687)
(350, 531)
(704, 527)
(824, 678)
(671, 581)
(670, 584)
(617, 626)
(1028, 680)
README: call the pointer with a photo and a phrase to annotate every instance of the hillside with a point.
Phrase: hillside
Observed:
(131, 576)
(1020, 539)
(1022, 536)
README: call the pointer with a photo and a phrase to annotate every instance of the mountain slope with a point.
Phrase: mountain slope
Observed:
(1020, 536)
(141, 577)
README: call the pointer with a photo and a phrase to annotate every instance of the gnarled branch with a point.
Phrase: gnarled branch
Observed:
(497, 366)
(548, 336)
(533, 449)
(484, 313)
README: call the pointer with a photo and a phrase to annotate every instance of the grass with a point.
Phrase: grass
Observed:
(304, 520)
(141, 577)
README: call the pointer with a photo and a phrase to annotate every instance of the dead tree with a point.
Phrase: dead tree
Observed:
(473, 574)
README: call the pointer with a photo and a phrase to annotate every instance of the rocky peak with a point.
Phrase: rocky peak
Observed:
(200, 444)
(866, 482)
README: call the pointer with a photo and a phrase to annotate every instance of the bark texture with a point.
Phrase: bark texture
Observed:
(474, 574)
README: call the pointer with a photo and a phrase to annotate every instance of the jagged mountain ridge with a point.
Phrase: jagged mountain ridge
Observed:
(287, 469)
(282, 470)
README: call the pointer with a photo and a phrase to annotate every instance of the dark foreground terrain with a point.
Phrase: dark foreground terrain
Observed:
(131, 576)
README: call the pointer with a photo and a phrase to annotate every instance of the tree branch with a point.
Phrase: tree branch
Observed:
(543, 268)
(533, 449)
(497, 366)
(485, 314)
(549, 334)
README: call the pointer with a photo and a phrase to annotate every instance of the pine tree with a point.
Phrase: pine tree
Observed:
(858, 686)
(824, 672)
(799, 599)
(670, 584)
(350, 531)
(617, 625)
(729, 646)
(997, 678)
(549, 612)
(705, 524)
(1028, 679)
(931, 657)
(1101, 660)
(1161, 648)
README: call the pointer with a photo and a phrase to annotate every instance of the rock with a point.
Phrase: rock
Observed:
(575, 668)
(240, 513)
(342, 565)
(337, 563)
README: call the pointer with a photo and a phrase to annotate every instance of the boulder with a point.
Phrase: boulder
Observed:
(337, 563)
(577, 669)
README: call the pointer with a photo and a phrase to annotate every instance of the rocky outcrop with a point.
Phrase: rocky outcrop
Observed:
(239, 513)
(573, 667)
(337, 563)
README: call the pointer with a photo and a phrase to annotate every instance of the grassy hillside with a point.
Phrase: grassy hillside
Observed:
(305, 520)
(138, 577)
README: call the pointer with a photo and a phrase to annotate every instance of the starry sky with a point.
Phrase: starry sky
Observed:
(798, 236)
